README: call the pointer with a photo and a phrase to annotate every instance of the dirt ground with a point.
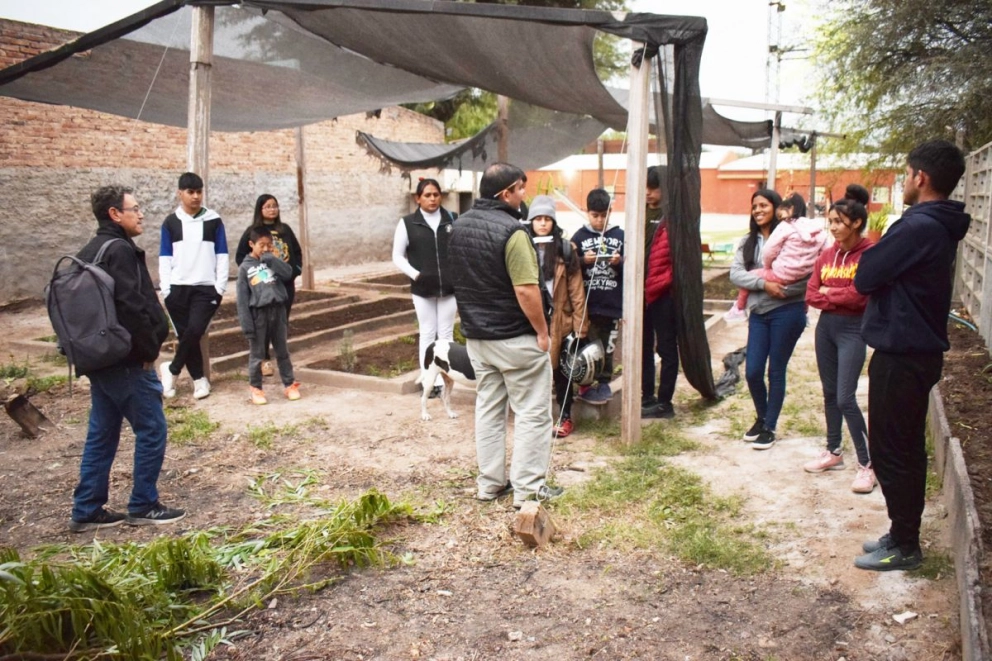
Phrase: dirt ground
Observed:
(475, 592)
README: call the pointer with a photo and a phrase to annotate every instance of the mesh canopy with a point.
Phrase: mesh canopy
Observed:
(282, 63)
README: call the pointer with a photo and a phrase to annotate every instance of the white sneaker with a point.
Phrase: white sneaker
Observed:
(201, 388)
(168, 380)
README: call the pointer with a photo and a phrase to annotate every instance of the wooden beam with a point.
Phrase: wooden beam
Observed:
(301, 175)
(633, 268)
(201, 55)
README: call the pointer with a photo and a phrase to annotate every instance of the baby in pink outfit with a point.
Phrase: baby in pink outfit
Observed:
(788, 256)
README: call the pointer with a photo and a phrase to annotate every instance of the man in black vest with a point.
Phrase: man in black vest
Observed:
(498, 290)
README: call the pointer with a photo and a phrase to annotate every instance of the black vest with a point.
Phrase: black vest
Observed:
(487, 304)
(428, 253)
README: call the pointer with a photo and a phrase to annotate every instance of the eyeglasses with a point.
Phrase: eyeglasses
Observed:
(134, 209)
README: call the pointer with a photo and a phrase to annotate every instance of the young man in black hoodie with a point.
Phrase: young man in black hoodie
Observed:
(908, 276)
(129, 390)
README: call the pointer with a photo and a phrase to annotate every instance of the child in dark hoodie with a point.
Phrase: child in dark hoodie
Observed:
(262, 297)
(840, 349)
(908, 277)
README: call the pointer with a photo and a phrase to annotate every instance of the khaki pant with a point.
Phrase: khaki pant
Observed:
(517, 373)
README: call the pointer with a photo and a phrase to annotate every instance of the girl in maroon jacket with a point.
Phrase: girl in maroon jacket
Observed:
(840, 349)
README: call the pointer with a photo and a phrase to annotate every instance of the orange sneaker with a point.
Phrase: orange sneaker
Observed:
(293, 391)
(258, 396)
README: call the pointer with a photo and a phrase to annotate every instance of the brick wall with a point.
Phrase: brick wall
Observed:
(53, 157)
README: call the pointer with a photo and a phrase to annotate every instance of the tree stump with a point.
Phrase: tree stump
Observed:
(533, 525)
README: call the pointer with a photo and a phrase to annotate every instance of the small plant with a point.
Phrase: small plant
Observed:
(408, 339)
(346, 352)
(187, 426)
(261, 436)
(46, 383)
(878, 220)
(13, 371)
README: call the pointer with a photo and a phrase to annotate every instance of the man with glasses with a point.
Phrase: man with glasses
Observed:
(193, 267)
(130, 389)
(500, 302)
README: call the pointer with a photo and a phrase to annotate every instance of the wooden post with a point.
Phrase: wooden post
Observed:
(503, 117)
(198, 120)
(301, 174)
(633, 268)
(201, 55)
(773, 155)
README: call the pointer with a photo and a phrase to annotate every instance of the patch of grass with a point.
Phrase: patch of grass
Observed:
(55, 358)
(45, 383)
(48, 338)
(316, 422)
(291, 486)
(188, 425)
(408, 339)
(643, 502)
(174, 597)
(936, 565)
(261, 436)
(13, 371)
(602, 429)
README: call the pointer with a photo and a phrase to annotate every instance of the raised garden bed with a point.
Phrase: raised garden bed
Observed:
(386, 359)
(966, 387)
(719, 288)
(228, 310)
(230, 342)
(394, 279)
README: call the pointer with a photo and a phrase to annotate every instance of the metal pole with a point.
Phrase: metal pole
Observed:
(633, 269)
(600, 179)
(811, 210)
(773, 154)
(301, 174)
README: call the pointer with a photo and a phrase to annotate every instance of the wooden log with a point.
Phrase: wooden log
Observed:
(27, 415)
(533, 525)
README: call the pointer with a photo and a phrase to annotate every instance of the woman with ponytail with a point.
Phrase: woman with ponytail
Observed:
(840, 349)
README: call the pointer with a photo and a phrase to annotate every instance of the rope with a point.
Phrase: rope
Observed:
(159, 67)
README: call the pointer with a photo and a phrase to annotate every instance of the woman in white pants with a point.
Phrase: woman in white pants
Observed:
(420, 250)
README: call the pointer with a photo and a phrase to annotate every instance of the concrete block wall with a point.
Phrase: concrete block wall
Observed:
(53, 157)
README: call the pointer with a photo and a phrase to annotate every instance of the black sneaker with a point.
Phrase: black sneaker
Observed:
(659, 410)
(872, 545)
(104, 518)
(505, 490)
(756, 429)
(156, 515)
(764, 440)
(890, 559)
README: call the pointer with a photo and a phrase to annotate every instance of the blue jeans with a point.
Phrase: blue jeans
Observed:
(117, 394)
(771, 338)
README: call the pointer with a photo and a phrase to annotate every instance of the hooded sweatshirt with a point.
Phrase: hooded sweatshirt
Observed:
(908, 276)
(835, 268)
(261, 282)
(793, 247)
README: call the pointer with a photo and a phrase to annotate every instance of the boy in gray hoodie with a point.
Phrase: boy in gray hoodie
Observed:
(262, 296)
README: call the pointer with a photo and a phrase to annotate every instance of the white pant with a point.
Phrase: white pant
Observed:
(436, 319)
(515, 372)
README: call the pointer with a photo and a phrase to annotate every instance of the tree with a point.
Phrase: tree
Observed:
(471, 110)
(895, 73)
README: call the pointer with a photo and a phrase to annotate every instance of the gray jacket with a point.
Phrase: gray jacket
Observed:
(758, 300)
(261, 283)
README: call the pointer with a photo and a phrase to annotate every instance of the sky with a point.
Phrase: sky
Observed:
(734, 56)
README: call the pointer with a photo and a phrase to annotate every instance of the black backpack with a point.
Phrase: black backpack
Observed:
(81, 308)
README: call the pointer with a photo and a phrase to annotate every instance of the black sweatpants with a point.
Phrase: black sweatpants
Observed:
(191, 308)
(661, 334)
(898, 396)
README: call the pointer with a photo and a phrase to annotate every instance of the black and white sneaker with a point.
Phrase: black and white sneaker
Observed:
(756, 429)
(890, 558)
(156, 515)
(764, 440)
(104, 518)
